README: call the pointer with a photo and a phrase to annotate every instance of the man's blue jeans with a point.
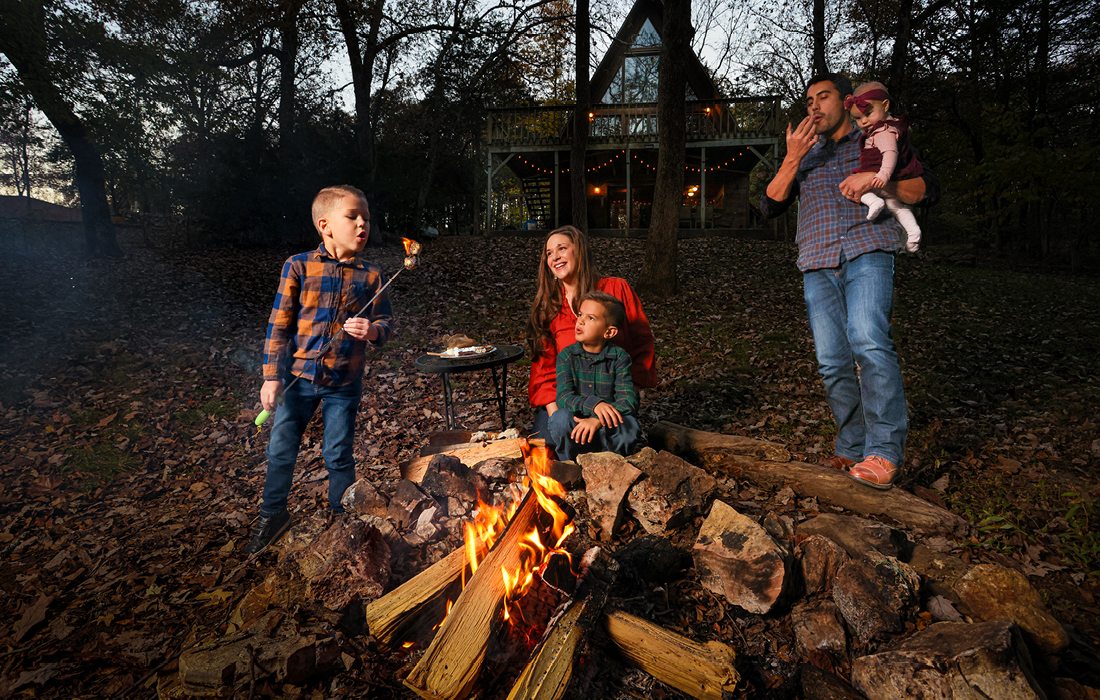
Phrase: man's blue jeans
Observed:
(339, 406)
(849, 309)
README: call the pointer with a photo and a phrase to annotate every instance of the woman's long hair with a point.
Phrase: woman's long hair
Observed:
(547, 301)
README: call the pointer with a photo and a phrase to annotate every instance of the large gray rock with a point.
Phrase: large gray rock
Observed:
(364, 498)
(951, 660)
(738, 560)
(990, 592)
(820, 560)
(876, 594)
(408, 502)
(856, 535)
(348, 560)
(671, 493)
(607, 478)
(819, 636)
(939, 570)
(446, 477)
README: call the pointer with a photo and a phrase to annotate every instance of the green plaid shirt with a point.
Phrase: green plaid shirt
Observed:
(584, 380)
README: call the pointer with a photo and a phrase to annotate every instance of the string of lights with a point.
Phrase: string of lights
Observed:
(637, 158)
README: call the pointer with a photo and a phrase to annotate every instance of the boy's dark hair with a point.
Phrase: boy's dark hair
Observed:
(613, 308)
(841, 83)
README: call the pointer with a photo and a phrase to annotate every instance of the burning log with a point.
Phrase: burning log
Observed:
(699, 670)
(547, 675)
(452, 662)
(397, 615)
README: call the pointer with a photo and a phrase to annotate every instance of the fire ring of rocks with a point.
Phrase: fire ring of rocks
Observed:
(707, 565)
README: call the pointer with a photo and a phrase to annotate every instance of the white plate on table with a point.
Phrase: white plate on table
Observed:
(464, 353)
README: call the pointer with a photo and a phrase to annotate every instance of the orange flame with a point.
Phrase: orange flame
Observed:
(489, 522)
(534, 555)
(411, 247)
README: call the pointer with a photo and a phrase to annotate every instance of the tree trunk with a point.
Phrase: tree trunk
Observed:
(23, 41)
(899, 57)
(1042, 59)
(362, 75)
(577, 179)
(820, 64)
(659, 272)
(288, 62)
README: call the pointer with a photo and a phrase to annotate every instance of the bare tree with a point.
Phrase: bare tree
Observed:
(659, 271)
(820, 64)
(23, 41)
(577, 175)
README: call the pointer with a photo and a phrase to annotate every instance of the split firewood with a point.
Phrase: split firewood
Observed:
(691, 444)
(451, 664)
(547, 675)
(401, 614)
(699, 670)
(469, 453)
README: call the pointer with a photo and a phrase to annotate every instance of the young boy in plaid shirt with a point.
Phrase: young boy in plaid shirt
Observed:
(596, 398)
(319, 293)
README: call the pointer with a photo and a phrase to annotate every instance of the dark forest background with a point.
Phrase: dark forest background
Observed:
(221, 119)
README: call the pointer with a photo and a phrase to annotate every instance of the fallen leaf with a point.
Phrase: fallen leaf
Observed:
(218, 595)
(32, 616)
(107, 420)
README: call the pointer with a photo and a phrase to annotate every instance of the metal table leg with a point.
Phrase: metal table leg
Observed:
(448, 402)
(499, 387)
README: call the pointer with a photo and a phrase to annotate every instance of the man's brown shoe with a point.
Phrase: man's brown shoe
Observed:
(874, 471)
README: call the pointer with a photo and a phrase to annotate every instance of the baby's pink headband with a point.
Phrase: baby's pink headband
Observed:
(863, 100)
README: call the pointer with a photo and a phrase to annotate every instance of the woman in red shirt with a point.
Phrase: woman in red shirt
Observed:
(565, 275)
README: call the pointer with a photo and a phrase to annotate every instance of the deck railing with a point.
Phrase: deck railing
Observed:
(624, 124)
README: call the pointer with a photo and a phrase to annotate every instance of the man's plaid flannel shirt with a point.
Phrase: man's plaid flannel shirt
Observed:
(584, 380)
(828, 223)
(317, 294)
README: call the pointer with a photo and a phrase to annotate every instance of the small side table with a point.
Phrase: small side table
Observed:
(499, 358)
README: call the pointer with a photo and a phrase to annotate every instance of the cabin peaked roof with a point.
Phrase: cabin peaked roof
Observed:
(653, 10)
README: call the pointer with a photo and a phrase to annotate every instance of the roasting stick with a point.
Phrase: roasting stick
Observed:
(411, 261)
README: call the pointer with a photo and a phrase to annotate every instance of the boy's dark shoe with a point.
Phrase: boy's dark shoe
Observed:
(266, 531)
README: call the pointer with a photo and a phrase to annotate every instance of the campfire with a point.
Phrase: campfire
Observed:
(521, 592)
(525, 605)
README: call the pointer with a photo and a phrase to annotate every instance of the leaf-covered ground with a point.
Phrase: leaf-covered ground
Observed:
(132, 469)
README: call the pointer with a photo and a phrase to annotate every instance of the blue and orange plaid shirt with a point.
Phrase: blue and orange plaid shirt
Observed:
(829, 223)
(317, 294)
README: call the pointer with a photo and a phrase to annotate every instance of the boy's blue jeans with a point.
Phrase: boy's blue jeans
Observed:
(339, 406)
(849, 309)
(622, 440)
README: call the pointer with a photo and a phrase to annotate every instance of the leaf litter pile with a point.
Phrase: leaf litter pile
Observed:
(132, 469)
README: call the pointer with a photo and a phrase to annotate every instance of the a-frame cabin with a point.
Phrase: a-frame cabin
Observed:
(726, 138)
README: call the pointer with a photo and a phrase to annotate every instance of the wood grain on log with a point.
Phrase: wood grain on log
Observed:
(834, 488)
(470, 453)
(452, 662)
(397, 614)
(691, 444)
(699, 670)
(768, 463)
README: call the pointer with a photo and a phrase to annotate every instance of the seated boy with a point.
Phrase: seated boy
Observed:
(319, 292)
(596, 398)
